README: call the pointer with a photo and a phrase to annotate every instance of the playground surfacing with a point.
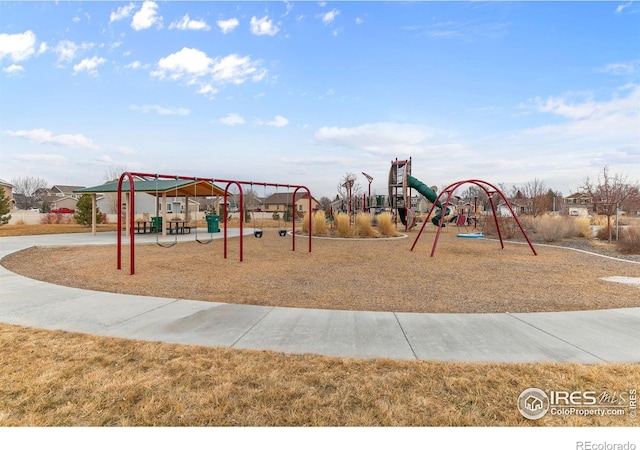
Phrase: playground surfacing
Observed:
(464, 276)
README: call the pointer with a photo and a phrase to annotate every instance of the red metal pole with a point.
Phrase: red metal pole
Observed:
(226, 194)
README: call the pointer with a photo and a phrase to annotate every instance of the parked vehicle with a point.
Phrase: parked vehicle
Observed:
(63, 211)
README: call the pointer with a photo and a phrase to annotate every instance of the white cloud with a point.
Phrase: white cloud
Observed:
(68, 50)
(278, 122)
(40, 157)
(135, 65)
(232, 119)
(330, 16)
(236, 69)
(43, 136)
(193, 66)
(187, 23)
(186, 63)
(359, 20)
(13, 69)
(622, 7)
(121, 13)
(263, 26)
(628, 68)
(89, 65)
(17, 47)
(146, 17)
(124, 150)
(319, 160)
(227, 26)
(208, 91)
(583, 106)
(161, 110)
(379, 138)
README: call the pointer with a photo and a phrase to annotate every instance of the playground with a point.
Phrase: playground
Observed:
(261, 266)
(465, 276)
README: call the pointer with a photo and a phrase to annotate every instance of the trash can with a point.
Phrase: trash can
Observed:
(156, 224)
(213, 224)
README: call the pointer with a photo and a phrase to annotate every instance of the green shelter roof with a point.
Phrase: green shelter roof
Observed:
(179, 188)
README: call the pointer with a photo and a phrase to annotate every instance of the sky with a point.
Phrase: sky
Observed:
(306, 92)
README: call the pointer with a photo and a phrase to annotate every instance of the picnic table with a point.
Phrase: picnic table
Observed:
(178, 227)
(144, 226)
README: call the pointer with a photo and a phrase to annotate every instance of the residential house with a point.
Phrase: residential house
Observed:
(8, 192)
(281, 201)
(57, 197)
(578, 204)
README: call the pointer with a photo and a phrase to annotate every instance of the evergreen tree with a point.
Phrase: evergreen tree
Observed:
(4, 208)
(83, 211)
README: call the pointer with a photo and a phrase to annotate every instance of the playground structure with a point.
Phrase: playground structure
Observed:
(130, 210)
(400, 184)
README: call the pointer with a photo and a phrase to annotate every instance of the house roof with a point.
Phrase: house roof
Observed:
(284, 198)
(5, 183)
(178, 188)
(66, 189)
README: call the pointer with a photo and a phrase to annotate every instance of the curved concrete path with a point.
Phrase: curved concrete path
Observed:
(584, 336)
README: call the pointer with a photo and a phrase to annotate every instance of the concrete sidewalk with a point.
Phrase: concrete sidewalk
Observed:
(583, 336)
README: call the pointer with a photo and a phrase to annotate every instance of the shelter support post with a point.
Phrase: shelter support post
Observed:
(93, 214)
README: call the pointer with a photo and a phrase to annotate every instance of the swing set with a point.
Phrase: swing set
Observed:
(131, 207)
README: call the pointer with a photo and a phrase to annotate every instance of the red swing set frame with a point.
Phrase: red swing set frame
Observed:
(129, 176)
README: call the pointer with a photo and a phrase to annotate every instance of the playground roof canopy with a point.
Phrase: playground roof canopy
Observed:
(178, 188)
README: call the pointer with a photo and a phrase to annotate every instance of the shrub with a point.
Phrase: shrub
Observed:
(319, 223)
(4, 208)
(363, 225)
(599, 221)
(508, 227)
(55, 219)
(343, 225)
(582, 227)
(603, 233)
(385, 224)
(629, 242)
(554, 229)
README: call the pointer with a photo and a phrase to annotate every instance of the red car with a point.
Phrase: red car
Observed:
(63, 211)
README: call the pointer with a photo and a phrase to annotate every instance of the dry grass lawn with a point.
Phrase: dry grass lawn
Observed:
(54, 378)
(64, 379)
(465, 275)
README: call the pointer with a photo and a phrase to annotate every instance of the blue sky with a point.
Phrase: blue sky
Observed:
(305, 92)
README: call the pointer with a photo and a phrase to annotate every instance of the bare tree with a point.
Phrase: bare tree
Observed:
(477, 196)
(28, 188)
(349, 190)
(348, 182)
(535, 193)
(609, 193)
(112, 173)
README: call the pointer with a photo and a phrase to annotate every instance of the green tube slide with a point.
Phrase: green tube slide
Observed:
(429, 193)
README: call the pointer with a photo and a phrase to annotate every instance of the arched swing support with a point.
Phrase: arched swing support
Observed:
(490, 190)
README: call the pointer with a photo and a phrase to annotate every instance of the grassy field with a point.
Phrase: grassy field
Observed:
(55, 378)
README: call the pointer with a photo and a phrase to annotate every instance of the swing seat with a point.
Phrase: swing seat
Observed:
(282, 233)
(257, 233)
(470, 235)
